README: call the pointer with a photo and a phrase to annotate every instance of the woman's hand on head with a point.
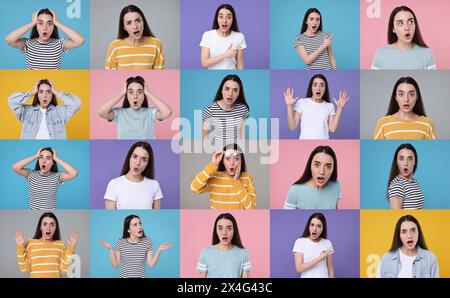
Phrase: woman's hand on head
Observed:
(34, 18)
(217, 157)
(237, 173)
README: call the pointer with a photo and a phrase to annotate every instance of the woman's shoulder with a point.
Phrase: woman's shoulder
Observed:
(152, 40)
(116, 43)
(425, 119)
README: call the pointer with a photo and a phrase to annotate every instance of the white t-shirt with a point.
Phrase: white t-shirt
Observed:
(218, 45)
(133, 195)
(311, 250)
(314, 118)
(42, 133)
(407, 265)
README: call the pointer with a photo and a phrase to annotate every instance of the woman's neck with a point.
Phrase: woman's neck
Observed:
(134, 178)
(223, 246)
(311, 183)
(133, 239)
(409, 252)
(406, 115)
(318, 100)
(134, 41)
(222, 33)
(403, 46)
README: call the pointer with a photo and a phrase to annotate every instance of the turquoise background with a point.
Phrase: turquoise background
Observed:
(339, 17)
(431, 172)
(199, 87)
(73, 194)
(18, 13)
(160, 226)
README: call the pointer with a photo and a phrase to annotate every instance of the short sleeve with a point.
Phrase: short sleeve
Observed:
(376, 63)
(331, 110)
(158, 193)
(116, 112)
(339, 190)
(205, 42)
(152, 114)
(292, 200)
(298, 246)
(242, 44)
(247, 264)
(25, 47)
(149, 244)
(246, 112)
(60, 180)
(396, 190)
(202, 262)
(206, 114)
(298, 106)
(431, 63)
(30, 173)
(110, 193)
(118, 246)
(61, 44)
(330, 245)
(297, 41)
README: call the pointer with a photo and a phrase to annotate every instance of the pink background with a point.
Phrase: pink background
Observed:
(293, 155)
(105, 85)
(196, 233)
(432, 16)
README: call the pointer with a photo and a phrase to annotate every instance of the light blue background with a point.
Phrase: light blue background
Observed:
(199, 87)
(18, 13)
(431, 172)
(339, 17)
(73, 194)
(159, 225)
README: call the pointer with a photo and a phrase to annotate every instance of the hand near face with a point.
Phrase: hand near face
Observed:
(343, 98)
(73, 239)
(55, 157)
(289, 96)
(55, 21)
(165, 246)
(53, 87)
(237, 173)
(105, 244)
(147, 91)
(38, 153)
(217, 157)
(20, 237)
(34, 17)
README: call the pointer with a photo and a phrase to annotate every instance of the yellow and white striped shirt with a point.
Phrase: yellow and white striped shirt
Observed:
(390, 127)
(147, 55)
(44, 259)
(224, 191)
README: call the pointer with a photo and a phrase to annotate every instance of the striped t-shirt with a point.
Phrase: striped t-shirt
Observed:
(146, 55)
(44, 55)
(311, 44)
(390, 127)
(42, 190)
(133, 256)
(409, 191)
(225, 124)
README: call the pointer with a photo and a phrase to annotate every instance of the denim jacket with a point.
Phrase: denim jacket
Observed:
(30, 116)
(425, 264)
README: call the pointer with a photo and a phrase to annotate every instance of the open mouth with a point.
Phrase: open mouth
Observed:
(314, 27)
(408, 35)
(406, 107)
(135, 103)
(224, 239)
(43, 167)
(48, 234)
(410, 242)
(137, 32)
(224, 26)
(314, 234)
(321, 180)
(139, 232)
(317, 94)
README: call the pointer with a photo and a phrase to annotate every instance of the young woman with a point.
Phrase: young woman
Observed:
(405, 118)
(45, 255)
(403, 190)
(133, 249)
(44, 180)
(44, 118)
(44, 48)
(136, 188)
(318, 187)
(223, 46)
(406, 48)
(313, 252)
(226, 257)
(313, 45)
(224, 119)
(409, 256)
(135, 47)
(135, 120)
(315, 112)
(229, 185)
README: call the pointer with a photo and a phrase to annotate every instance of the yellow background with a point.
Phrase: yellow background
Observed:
(377, 232)
(70, 81)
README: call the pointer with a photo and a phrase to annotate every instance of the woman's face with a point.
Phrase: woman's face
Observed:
(409, 234)
(406, 162)
(135, 229)
(225, 19)
(318, 88)
(230, 92)
(135, 95)
(45, 161)
(225, 231)
(45, 95)
(138, 161)
(48, 228)
(231, 160)
(404, 26)
(313, 22)
(322, 167)
(45, 26)
(315, 229)
(406, 97)
(133, 24)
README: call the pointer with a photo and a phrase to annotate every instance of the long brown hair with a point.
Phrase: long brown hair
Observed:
(397, 242)
(236, 238)
(392, 37)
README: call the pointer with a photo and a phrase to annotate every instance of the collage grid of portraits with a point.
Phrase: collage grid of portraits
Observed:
(139, 105)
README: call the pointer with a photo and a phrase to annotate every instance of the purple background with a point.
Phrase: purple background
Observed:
(345, 80)
(107, 158)
(286, 226)
(253, 20)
